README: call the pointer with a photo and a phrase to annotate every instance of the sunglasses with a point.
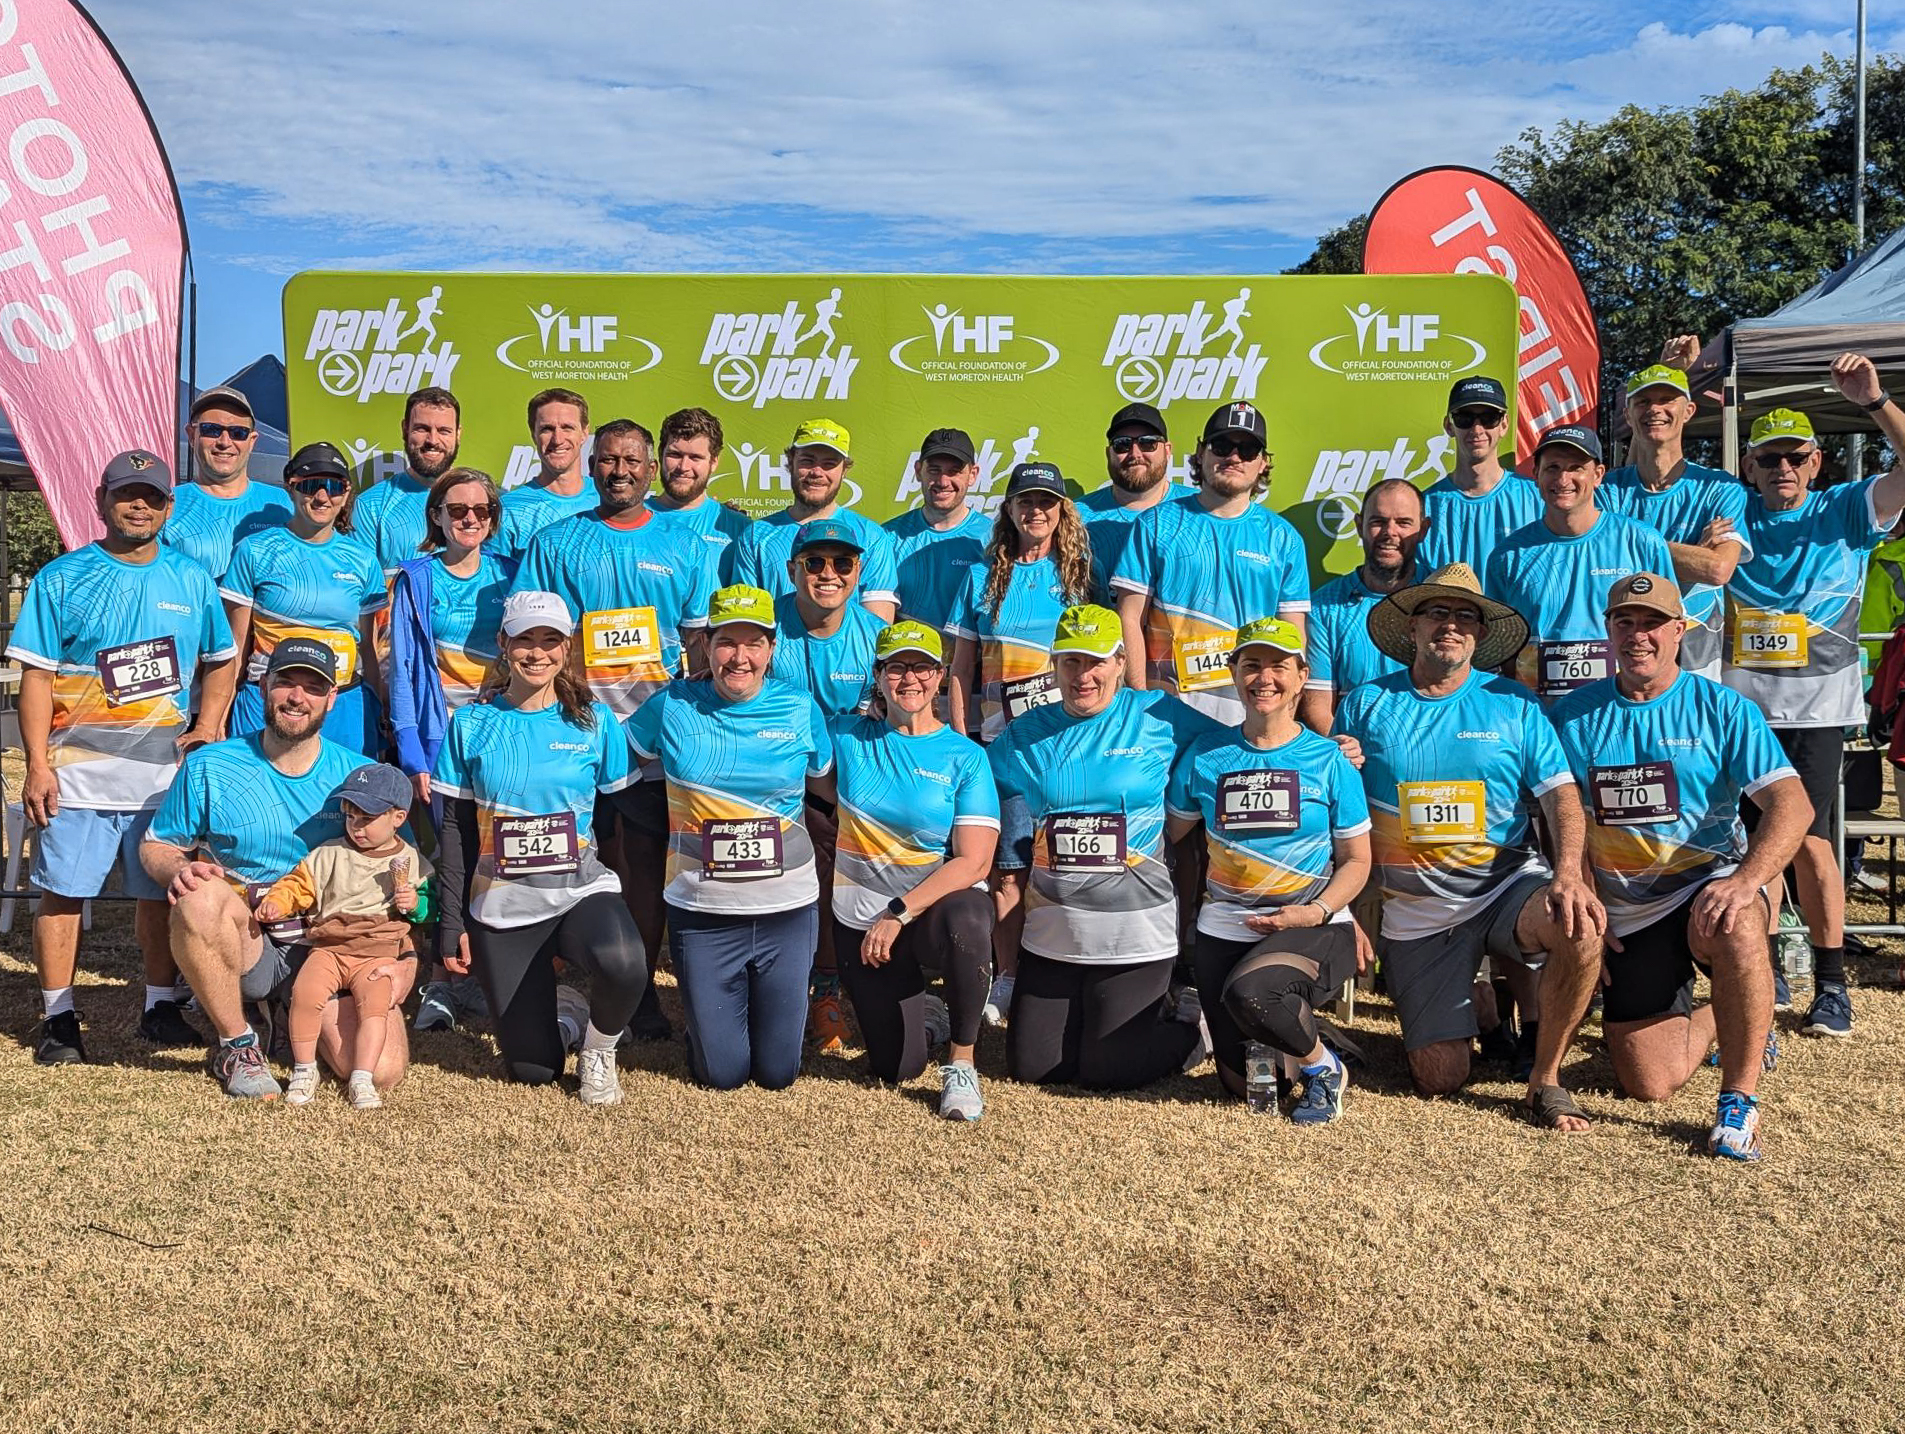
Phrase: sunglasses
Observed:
(1476, 418)
(1466, 617)
(1248, 449)
(237, 432)
(311, 487)
(1773, 462)
(924, 668)
(1124, 443)
(459, 511)
(843, 564)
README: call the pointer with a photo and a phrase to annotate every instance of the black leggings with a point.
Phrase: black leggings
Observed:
(1265, 998)
(954, 935)
(518, 970)
(1102, 1027)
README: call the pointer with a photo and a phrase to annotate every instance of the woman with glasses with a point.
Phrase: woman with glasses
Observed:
(1038, 563)
(919, 818)
(310, 578)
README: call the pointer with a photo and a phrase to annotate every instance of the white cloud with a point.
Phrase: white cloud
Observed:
(760, 135)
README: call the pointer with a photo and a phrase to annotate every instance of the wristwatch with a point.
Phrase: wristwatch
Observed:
(896, 908)
(1883, 399)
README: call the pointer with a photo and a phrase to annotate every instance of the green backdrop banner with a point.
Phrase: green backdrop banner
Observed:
(1352, 372)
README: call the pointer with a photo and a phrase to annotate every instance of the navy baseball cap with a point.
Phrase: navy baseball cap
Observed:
(375, 788)
(305, 652)
(948, 443)
(1572, 435)
(1138, 415)
(1238, 418)
(1035, 478)
(813, 535)
(1478, 392)
(137, 466)
(317, 460)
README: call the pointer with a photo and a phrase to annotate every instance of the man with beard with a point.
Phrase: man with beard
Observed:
(691, 443)
(818, 462)
(935, 543)
(223, 504)
(1341, 654)
(1699, 511)
(1138, 460)
(559, 426)
(1480, 503)
(239, 815)
(1198, 568)
(110, 639)
(390, 515)
(640, 587)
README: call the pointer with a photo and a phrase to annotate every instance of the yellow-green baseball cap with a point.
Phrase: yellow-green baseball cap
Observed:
(1660, 375)
(1268, 632)
(1780, 423)
(1088, 628)
(823, 433)
(908, 636)
(741, 603)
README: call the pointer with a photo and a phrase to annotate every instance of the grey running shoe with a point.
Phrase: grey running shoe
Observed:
(938, 1022)
(598, 1081)
(999, 1001)
(436, 1008)
(466, 992)
(959, 1097)
(243, 1072)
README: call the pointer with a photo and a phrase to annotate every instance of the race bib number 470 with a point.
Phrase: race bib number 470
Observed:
(1437, 813)
(1266, 801)
(1769, 639)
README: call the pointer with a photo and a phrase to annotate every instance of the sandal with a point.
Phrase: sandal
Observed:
(1548, 1105)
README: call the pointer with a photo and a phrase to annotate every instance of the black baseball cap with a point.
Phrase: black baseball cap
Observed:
(1572, 435)
(375, 788)
(1138, 415)
(305, 652)
(1478, 392)
(317, 460)
(1035, 478)
(137, 465)
(1237, 418)
(950, 442)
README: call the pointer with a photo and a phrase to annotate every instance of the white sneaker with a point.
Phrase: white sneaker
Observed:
(600, 1083)
(364, 1092)
(572, 1014)
(959, 1097)
(999, 1001)
(938, 1022)
(303, 1085)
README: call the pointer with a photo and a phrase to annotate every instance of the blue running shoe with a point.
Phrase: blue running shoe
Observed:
(1831, 1013)
(436, 1008)
(1322, 1100)
(1735, 1133)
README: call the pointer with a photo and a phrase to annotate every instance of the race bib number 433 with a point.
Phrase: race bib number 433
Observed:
(1769, 639)
(741, 848)
(1436, 813)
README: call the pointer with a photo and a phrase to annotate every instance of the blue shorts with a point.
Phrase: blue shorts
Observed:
(74, 855)
(1015, 834)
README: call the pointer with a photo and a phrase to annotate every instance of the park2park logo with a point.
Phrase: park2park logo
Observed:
(363, 353)
(1381, 347)
(977, 348)
(580, 348)
(755, 358)
(1158, 358)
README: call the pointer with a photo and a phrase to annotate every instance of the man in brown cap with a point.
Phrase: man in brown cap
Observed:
(1662, 757)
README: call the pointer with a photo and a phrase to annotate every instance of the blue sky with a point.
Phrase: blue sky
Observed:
(871, 135)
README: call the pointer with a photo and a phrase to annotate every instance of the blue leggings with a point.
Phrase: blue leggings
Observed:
(744, 990)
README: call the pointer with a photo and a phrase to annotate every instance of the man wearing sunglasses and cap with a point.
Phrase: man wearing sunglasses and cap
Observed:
(111, 638)
(1198, 568)
(1481, 502)
(1662, 757)
(1138, 462)
(935, 543)
(1555, 571)
(1698, 510)
(223, 503)
(1453, 759)
(1792, 635)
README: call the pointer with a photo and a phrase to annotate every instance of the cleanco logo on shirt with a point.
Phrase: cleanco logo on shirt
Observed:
(1479, 736)
(1122, 752)
(647, 567)
(569, 747)
(177, 607)
(777, 734)
(940, 777)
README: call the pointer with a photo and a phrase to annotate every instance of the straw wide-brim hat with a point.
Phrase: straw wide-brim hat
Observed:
(1505, 635)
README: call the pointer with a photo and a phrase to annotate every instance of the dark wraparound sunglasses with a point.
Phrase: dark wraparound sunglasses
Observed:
(237, 432)
(1476, 418)
(1248, 449)
(1124, 443)
(336, 487)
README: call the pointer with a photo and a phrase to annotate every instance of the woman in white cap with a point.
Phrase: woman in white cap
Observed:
(520, 878)
(1100, 909)
(1286, 828)
(919, 818)
(738, 753)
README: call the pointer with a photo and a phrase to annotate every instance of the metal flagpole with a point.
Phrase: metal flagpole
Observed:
(1855, 448)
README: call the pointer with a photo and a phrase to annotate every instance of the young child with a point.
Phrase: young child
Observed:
(362, 893)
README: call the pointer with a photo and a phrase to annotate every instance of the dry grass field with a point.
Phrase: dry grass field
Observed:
(482, 1257)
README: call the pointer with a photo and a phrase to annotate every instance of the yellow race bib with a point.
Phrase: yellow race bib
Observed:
(1440, 813)
(1768, 639)
(1203, 662)
(621, 637)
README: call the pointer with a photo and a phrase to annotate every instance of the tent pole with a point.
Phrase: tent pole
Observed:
(1855, 445)
(1730, 409)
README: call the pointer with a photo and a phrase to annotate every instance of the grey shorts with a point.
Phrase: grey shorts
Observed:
(270, 976)
(1431, 977)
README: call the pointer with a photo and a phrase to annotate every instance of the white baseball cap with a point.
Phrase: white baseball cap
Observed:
(522, 611)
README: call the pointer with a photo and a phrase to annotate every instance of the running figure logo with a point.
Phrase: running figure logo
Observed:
(753, 358)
